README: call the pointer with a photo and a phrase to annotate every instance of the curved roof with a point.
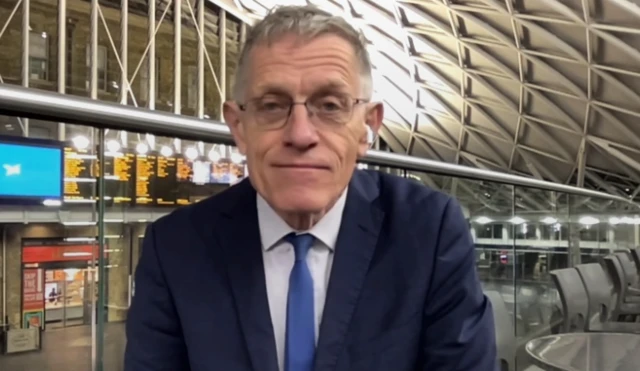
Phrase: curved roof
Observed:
(543, 88)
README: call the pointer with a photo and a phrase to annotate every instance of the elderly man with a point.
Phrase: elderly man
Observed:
(309, 264)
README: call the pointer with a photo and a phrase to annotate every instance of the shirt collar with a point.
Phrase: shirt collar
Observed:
(273, 228)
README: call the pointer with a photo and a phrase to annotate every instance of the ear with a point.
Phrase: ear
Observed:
(373, 121)
(232, 116)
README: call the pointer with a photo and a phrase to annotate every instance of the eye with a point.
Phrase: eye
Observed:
(272, 105)
(329, 104)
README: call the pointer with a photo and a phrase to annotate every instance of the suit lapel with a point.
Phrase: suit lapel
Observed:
(240, 241)
(357, 239)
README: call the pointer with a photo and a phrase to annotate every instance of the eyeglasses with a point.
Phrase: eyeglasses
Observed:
(272, 111)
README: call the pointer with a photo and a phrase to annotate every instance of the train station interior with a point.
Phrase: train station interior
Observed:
(526, 111)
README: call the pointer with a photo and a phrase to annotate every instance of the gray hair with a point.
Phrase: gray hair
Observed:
(307, 22)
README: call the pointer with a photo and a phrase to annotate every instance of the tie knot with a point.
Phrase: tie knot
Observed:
(301, 244)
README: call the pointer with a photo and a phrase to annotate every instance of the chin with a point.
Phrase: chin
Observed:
(302, 200)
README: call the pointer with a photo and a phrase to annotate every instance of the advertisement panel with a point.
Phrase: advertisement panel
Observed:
(32, 298)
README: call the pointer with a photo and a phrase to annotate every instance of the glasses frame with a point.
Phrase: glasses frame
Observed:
(310, 110)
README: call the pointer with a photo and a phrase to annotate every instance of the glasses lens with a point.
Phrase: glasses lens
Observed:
(270, 110)
(332, 108)
(273, 110)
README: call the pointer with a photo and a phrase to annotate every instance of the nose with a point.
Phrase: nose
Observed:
(300, 132)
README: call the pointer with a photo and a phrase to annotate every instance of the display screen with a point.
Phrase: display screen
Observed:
(30, 170)
(79, 177)
(201, 172)
(119, 176)
(149, 179)
(226, 172)
(145, 179)
(166, 181)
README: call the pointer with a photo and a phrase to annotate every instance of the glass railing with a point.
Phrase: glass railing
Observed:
(67, 268)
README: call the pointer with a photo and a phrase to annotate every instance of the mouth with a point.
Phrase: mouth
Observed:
(302, 166)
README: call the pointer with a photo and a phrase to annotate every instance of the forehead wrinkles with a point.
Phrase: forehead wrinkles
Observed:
(284, 60)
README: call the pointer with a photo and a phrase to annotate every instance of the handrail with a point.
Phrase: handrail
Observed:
(25, 102)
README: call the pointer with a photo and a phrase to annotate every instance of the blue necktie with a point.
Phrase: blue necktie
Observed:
(300, 334)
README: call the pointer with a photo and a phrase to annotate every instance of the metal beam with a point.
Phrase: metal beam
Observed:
(222, 39)
(26, 37)
(124, 52)
(62, 58)
(201, 50)
(177, 56)
(93, 50)
(151, 69)
(235, 8)
(604, 185)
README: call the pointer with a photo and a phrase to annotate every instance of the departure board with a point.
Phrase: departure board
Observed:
(145, 179)
(184, 175)
(184, 170)
(79, 181)
(166, 184)
(120, 181)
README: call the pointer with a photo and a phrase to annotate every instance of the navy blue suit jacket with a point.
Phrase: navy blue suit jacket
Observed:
(403, 293)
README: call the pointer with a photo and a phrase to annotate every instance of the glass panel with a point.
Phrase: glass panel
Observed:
(521, 234)
(539, 247)
(489, 209)
(49, 253)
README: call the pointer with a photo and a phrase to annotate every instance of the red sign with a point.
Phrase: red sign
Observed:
(32, 290)
(44, 254)
(33, 296)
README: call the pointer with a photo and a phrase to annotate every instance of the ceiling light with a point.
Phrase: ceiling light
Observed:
(78, 223)
(113, 146)
(549, 220)
(142, 148)
(81, 142)
(166, 151)
(52, 203)
(79, 239)
(483, 220)
(588, 220)
(113, 220)
(516, 220)
(191, 153)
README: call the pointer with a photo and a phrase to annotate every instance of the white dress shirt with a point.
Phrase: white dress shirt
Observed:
(278, 257)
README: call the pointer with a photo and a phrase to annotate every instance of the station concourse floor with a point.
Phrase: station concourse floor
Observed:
(69, 349)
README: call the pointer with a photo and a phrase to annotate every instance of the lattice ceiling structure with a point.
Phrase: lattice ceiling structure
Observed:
(541, 88)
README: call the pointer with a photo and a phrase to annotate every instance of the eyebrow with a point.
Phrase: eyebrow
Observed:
(332, 86)
(270, 88)
(325, 87)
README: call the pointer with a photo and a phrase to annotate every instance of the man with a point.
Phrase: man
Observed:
(309, 264)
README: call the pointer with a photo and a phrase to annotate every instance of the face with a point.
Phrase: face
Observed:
(302, 164)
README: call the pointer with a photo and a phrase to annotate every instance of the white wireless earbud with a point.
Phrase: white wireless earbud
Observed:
(371, 137)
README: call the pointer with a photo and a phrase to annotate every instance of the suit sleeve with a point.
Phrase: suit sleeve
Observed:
(154, 336)
(458, 332)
